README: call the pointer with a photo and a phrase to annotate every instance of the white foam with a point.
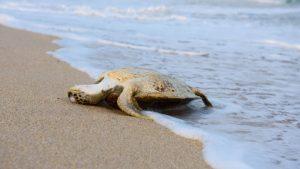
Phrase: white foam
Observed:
(156, 13)
(282, 44)
(151, 49)
(87, 11)
(149, 13)
(219, 152)
(32, 7)
(275, 2)
(5, 19)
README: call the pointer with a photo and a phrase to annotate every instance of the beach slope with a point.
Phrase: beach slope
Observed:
(40, 128)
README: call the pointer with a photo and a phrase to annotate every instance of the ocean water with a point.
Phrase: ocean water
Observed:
(244, 54)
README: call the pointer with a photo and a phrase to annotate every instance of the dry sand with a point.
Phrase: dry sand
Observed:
(40, 128)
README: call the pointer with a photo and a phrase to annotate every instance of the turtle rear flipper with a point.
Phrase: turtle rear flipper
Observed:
(203, 97)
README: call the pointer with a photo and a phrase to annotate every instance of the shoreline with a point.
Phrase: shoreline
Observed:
(40, 128)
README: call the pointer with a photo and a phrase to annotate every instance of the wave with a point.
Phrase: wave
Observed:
(282, 44)
(152, 49)
(152, 13)
(148, 13)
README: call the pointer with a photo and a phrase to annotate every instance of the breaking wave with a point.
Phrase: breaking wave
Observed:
(152, 13)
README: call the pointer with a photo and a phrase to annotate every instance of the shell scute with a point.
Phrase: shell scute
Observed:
(151, 83)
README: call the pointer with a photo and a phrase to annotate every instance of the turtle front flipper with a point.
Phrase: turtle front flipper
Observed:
(100, 78)
(128, 104)
(203, 97)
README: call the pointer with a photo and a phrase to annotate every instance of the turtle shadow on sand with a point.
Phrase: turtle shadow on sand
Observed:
(175, 109)
(179, 110)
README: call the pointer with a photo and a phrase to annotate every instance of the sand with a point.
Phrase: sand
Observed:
(40, 128)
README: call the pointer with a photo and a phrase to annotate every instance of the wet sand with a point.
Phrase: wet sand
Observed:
(40, 128)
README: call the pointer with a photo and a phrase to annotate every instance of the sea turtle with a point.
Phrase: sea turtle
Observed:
(130, 86)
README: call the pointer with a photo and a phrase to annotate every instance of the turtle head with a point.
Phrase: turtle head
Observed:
(86, 94)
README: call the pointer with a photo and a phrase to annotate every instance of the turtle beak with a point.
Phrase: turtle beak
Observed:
(72, 94)
(85, 94)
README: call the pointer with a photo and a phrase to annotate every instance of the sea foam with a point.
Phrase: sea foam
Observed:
(219, 152)
(142, 13)
(282, 44)
(5, 19)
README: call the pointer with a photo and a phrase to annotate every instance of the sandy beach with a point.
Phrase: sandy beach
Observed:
(40, 128)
